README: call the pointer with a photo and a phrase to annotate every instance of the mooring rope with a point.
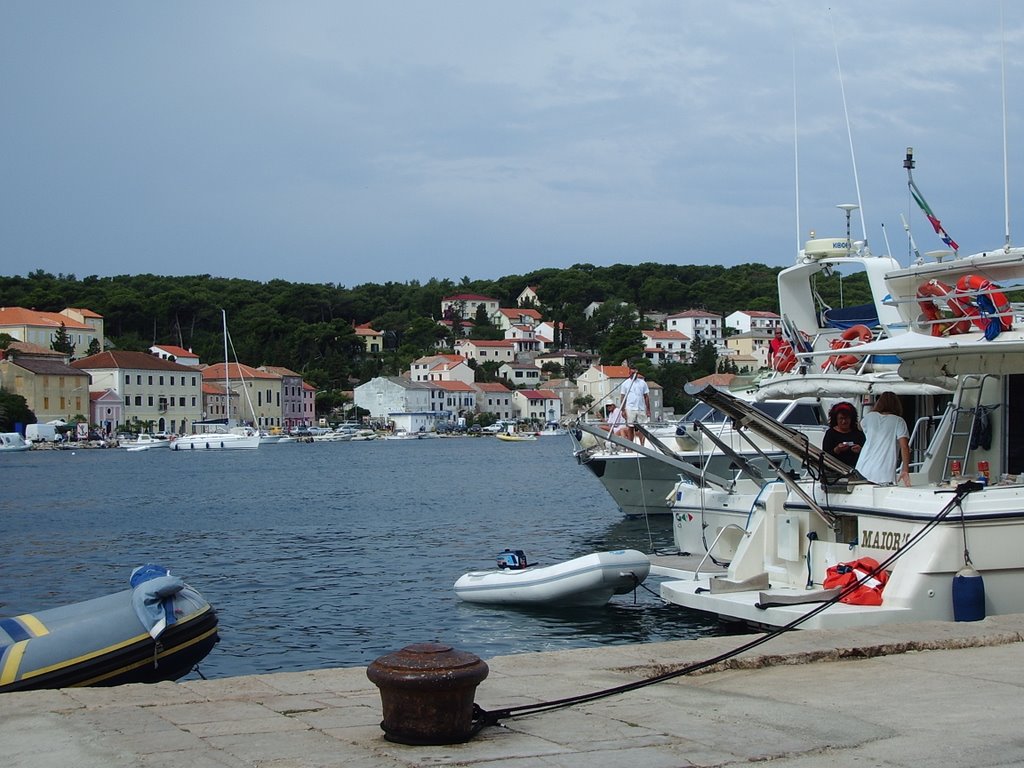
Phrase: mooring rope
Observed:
(483, 718)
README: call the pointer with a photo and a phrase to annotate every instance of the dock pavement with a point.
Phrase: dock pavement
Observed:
(936, 693)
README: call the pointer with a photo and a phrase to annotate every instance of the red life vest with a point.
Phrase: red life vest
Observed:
(843, 575)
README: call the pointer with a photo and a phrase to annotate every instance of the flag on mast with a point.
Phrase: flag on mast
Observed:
(936, 224)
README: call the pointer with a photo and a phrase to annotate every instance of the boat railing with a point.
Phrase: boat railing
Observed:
(707, 555)
(920, 440)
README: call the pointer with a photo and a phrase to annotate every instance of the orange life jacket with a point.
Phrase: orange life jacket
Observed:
(843, 575)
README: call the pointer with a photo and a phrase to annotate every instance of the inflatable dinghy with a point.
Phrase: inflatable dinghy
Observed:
(584, 581)
(157, 630)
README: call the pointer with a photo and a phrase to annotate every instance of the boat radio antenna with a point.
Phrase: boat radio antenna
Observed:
(849, 133)
(1006, 177)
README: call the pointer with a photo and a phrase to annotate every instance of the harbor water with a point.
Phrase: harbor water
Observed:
(328, 554)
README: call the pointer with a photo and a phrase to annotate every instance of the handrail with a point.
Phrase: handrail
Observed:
(696, 571)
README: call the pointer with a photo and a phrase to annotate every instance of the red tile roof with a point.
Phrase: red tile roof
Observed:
(21, 316)
(614, 371)
(467, 297)
(279, 370)
(538, 394)
(452, 386)
(671, 335)
(693, 313)
(237, 371)
(176, 351)
(122, 359)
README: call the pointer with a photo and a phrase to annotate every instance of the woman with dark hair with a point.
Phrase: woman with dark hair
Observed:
(844, 438)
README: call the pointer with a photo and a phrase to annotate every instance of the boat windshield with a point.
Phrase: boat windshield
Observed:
(795, 415)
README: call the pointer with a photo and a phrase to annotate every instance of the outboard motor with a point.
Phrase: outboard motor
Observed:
(512, 559)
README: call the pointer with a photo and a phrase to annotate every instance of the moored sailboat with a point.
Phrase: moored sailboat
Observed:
(225, 436)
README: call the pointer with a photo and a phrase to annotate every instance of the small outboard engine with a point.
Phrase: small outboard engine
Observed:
(512, 559)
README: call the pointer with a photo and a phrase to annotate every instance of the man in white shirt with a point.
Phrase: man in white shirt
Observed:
(638, 403)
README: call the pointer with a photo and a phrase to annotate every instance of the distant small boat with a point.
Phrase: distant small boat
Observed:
(157, 630)
(584, 581)
(12, 441)
(404, 434)
(147, 442)
(518, 437)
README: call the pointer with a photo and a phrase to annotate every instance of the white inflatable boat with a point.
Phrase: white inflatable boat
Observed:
(584, 581)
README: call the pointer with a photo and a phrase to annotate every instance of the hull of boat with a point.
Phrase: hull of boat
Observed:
(516, 438)
(710, 520)
(584, 581)
(102, 642)
(777, 573)
(637, 484)
(216, 442)
(13, 442)
(150, 444)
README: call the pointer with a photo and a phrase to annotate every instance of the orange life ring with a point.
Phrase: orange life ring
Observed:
(785, 358)
(988, 301)
(859, 333)
(959, 305)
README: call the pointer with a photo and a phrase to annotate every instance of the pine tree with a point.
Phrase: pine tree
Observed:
(62, 342)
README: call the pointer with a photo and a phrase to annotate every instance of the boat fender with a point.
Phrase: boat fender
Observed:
(968, 595)
(513, 559)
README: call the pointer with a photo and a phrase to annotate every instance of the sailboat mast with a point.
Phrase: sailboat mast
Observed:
(227, 380)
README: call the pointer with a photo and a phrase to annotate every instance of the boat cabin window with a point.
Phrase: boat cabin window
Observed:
(806, 415)
(703, 413)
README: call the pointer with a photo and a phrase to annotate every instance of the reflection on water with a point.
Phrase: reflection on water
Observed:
(328, 554)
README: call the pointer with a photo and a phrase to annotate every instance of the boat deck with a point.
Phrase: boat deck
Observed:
(683, 566)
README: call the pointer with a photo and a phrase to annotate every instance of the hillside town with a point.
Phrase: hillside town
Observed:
(66, 369)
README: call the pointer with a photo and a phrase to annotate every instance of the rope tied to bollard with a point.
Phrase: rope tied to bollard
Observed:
(483, 718)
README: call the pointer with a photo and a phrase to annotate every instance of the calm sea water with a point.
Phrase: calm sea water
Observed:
(327, 554)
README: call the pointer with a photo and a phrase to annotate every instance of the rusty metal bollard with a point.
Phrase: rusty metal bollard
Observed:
(426, 691)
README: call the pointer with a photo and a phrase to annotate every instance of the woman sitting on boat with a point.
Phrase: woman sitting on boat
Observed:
(616, 421)
(844, 438)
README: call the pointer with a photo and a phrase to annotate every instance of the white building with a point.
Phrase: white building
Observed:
(178, 355)
(487, 351)
(507, 318)
(750, 320)
(441, 368)
(411, 405)
(521, 374)
(666, 346)
(167, 395)
(466, 306)
(540, 405)
(697, 324)
(494, 398)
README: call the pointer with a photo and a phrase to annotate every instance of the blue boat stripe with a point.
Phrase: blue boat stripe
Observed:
(15, 629)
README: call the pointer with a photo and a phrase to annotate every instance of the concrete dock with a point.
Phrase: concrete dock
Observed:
(944, 694)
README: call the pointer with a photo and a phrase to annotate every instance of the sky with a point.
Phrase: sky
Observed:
(348, 143)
